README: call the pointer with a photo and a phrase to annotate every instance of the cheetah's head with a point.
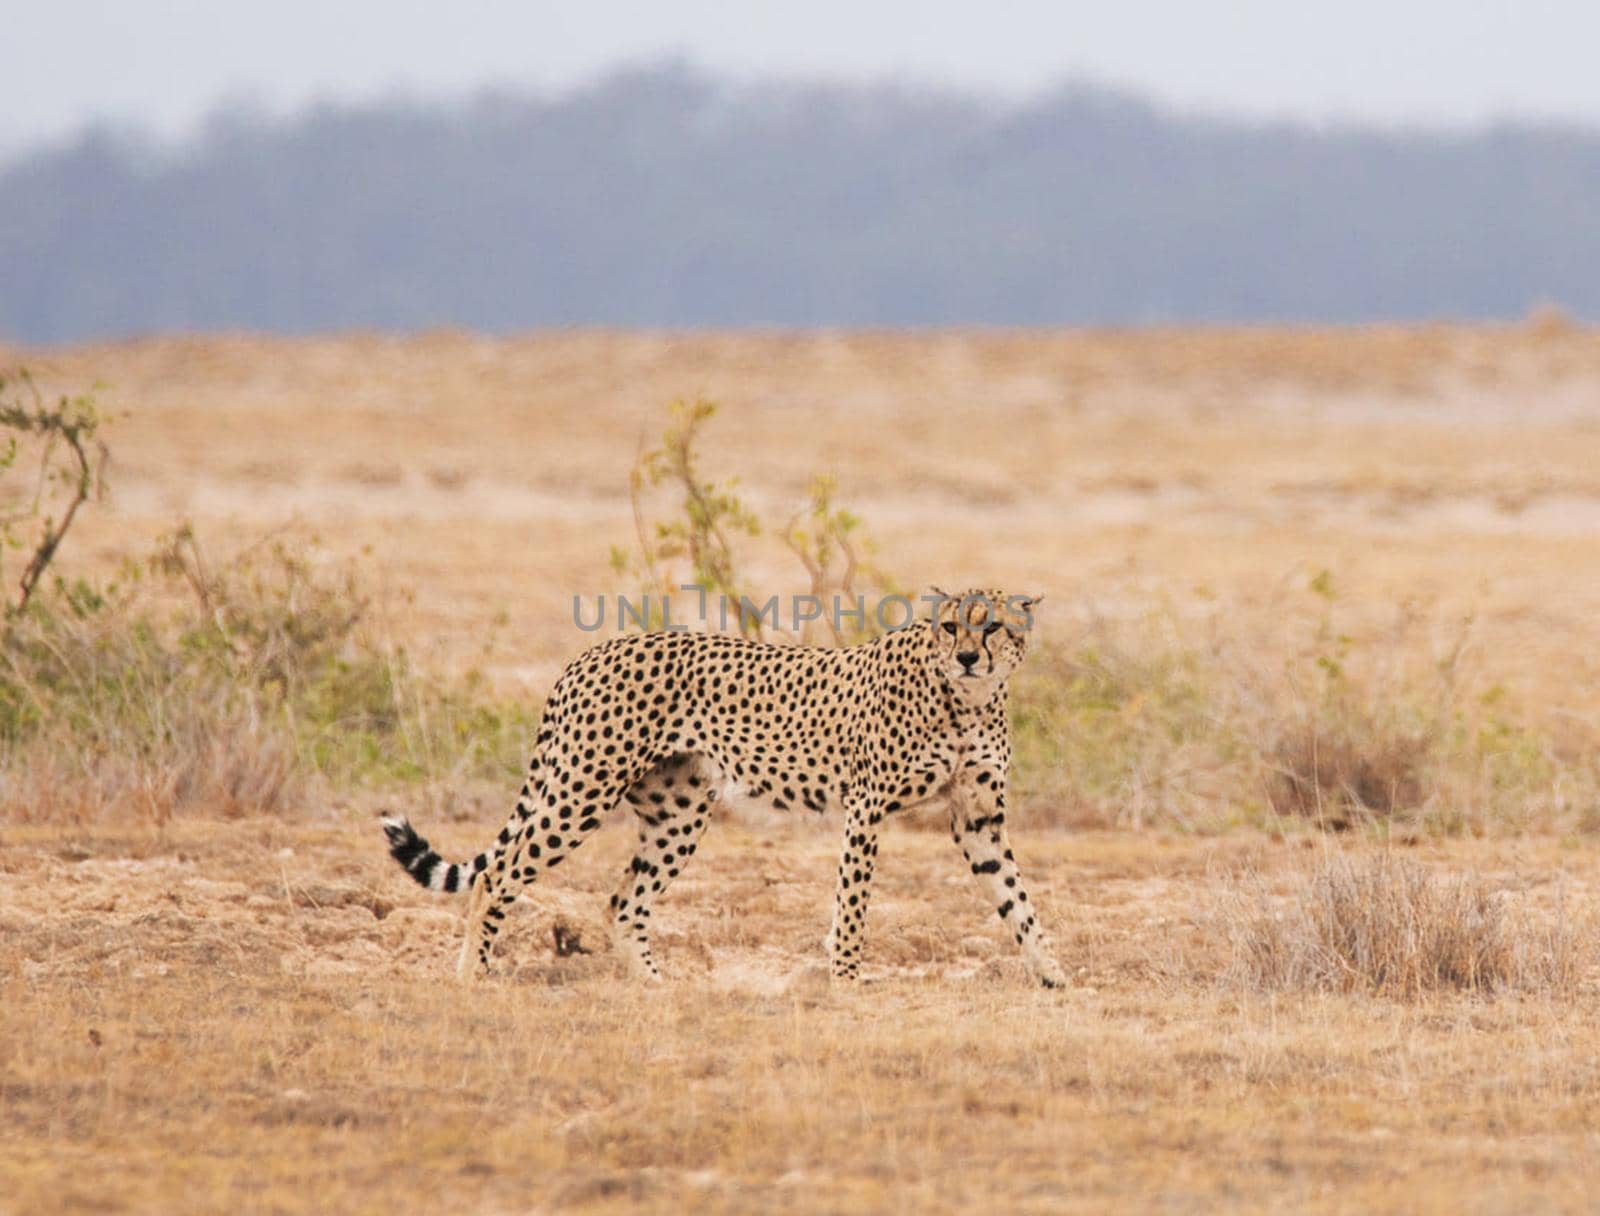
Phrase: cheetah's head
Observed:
(979, 638)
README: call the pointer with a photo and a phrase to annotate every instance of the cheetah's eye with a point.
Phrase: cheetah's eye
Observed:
(950, 628)
(989, 629)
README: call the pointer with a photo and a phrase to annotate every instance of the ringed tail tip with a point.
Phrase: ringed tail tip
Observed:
(414, 856)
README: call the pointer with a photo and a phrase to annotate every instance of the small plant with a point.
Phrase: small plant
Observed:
(1371, 732)
(709, 512)
(1126, 728)
(1347, 751)
(826, 539)
(822, 538)
(59, 448)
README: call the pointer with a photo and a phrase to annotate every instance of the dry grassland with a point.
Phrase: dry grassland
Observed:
(1458, 470)
(254, 1013)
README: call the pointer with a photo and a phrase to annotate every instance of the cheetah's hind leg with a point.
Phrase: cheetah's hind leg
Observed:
(673, 802)
(554, 815)
(481, 929)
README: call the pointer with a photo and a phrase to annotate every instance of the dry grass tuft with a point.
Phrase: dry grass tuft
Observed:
(1387, 926)
(1337, 779)
(211, 760)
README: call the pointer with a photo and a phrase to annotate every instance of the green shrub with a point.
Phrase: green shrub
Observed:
(52, 462)
(1127, 728)
(229, 688)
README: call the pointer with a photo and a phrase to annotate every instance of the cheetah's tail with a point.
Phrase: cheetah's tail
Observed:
(423, 864)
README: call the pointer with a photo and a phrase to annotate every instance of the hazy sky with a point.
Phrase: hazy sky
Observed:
(163, 63)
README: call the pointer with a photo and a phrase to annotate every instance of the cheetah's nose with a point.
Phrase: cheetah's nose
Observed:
(967, 659)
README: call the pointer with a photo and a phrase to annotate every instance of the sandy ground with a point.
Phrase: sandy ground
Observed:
(258, 1016)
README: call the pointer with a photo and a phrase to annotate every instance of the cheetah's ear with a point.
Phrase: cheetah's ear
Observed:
(1025, 603)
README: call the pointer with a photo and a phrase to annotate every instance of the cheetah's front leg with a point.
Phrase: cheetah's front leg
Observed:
(978, 825)
(847, 938)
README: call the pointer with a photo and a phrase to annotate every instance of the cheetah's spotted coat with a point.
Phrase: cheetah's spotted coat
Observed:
(664, 721)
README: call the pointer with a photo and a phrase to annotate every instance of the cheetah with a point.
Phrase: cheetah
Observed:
(669, 721)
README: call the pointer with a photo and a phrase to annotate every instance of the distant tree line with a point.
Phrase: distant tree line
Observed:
(662, 197)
